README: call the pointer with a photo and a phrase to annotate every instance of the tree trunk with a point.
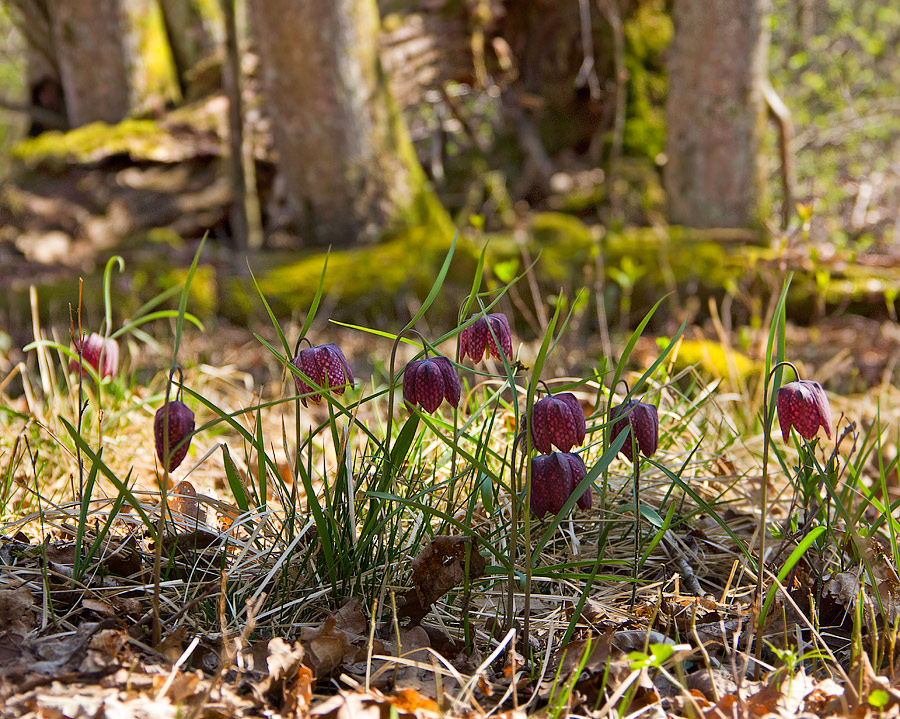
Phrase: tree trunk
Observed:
(187, 35)
(348, 164)
(88, 39)
(716, 113)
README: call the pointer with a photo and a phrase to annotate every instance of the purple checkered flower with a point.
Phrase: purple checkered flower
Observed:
(557, 420)
(804, 406)
(476, 340)
(553, 479)
(643, 419)
(429, 381)
(326, 366)
(100, 353)
(181, 426)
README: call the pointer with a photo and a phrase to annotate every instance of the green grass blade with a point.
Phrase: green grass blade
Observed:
(476, 283)
(314, 305)
(436, 287)
(182, 303)
(111, 476)
(605, 460)
(792, 560)
(107, 281)
(234, 481)
(158, 315)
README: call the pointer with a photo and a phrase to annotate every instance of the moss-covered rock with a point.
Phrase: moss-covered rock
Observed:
(139, 139)
(367, 279)
(566, 244)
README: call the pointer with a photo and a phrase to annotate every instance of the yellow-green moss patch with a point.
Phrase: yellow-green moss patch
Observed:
(715, 360)
(139, 139)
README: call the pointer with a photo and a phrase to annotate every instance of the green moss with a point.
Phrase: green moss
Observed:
(141, 139)
(203, 295)
(565, 243)
(582, 200)
(648, 32)
(375, 274)
(156, 67)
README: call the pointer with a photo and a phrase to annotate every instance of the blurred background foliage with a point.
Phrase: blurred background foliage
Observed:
(837, 64)
(540, 126)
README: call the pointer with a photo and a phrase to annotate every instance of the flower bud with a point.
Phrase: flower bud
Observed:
(100, 353)
(181, 426)
(643, 419)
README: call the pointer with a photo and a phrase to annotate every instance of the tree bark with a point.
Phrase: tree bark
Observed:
(347, 161)
(88, 39)
(187, 35)
(715, 113)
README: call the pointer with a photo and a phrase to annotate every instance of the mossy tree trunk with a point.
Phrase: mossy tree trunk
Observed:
(88, 37)
(188, 37)
(344, 152)
(716, 114)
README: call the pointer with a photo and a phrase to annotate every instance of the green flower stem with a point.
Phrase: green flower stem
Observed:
(388, 472)
(164, 504)
(514, 534)
(760, 574)
(636, 467)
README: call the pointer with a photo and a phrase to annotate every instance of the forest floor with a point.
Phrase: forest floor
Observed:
(252, 615)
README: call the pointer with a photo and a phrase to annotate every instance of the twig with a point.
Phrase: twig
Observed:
(782, 116)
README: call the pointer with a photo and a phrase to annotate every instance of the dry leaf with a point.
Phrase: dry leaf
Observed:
(327, 648)
(16, 615)
(185, 507)
(103, 651)
(436, 570)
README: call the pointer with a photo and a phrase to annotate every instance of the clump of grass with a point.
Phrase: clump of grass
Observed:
(308, 506)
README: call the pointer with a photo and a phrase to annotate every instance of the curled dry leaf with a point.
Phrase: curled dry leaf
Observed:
(185, 506)
(374, 705)
(328, 648)
(288, 683)
(437, 569)
(16, 615)
(104, 651)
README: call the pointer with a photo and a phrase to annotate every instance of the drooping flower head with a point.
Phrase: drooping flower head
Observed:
(429, 381)
(804, 406)
(643, 419)
(477, 342)
(557, 420)
(99, 352)
(553, 479)
(326, 366)
(178, 418)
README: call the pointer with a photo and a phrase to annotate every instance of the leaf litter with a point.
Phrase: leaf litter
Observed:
(72, 648)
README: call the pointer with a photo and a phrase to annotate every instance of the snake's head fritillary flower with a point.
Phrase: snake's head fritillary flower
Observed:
(804, 406)
(477, 342)
(557, 420)
(99, 352)
(181, 426)
(429, 381)
(643, 419)
(553, 479)
(326, 366)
